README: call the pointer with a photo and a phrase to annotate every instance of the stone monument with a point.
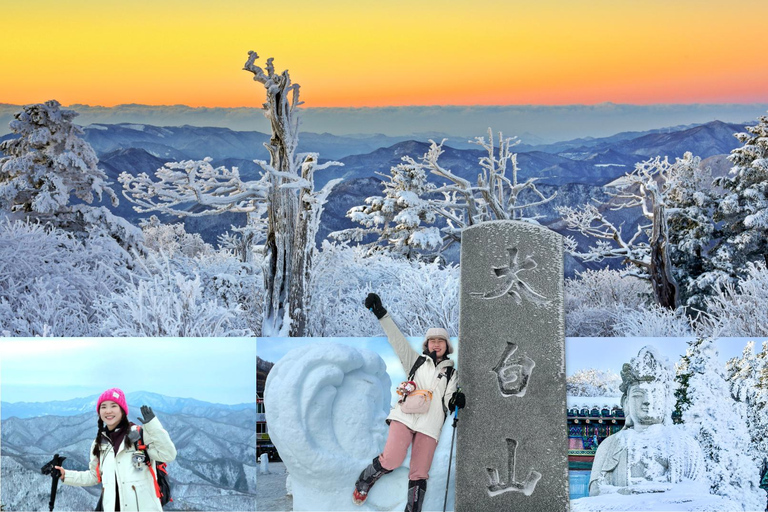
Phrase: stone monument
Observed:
(512, 447)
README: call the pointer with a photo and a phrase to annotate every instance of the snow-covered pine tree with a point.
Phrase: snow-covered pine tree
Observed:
(743, 212)
(46, 165)
(401, 218)
(691, 230)
(494, 195)
(650, 187)
(748, 379)
(48, 162)
(285, 194)
(719, 425)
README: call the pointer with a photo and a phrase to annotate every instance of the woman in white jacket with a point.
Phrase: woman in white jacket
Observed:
(118, 464)
(422, 430)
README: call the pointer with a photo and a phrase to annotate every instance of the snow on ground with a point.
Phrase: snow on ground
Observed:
(270, 489)
(687, 497)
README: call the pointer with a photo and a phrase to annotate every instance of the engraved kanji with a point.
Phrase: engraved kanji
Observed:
(525, 487)
(511, 283)
(513, 371)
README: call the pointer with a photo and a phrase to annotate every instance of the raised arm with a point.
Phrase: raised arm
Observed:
(403, 349)
(159, 444)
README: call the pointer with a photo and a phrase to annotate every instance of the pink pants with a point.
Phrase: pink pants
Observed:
(399, 439)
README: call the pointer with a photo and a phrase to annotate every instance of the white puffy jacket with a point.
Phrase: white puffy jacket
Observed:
(135, 485)
(428, 376)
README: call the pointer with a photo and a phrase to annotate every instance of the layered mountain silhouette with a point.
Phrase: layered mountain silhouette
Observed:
(577, 169)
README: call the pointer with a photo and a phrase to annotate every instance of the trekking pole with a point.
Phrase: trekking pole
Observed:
(450, 454)
(49, 469)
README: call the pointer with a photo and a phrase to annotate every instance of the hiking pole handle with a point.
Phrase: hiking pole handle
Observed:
(50, 469)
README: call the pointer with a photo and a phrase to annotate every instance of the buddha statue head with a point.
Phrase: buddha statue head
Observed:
(646, 386)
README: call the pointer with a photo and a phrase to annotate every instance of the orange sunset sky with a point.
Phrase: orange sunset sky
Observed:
(363, 53)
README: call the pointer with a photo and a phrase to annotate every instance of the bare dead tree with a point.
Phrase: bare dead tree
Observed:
(282, 205)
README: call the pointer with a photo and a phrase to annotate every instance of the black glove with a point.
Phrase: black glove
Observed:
(146, 412)
(457, 400)
(373, 303)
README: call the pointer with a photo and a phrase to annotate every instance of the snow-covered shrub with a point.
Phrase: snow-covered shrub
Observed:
(236, 285)
(596, 299)
(592, 382)
(738, 309)
(49, 280)
(166, 303)
(173, 239)
(653, 321)
(419, 295)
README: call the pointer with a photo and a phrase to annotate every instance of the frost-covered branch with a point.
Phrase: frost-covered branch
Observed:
(180, 185)
(657, 187)
(403, 216)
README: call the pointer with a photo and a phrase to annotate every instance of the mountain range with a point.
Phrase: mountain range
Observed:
(215, 468)
(577, 169)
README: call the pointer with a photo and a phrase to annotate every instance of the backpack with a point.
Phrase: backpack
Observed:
(420, 361)
(162, 484)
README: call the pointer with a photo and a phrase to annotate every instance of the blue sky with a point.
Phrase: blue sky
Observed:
(612, 353)
(214, 370)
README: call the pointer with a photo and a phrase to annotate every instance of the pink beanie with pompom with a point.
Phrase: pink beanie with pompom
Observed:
(115, 395)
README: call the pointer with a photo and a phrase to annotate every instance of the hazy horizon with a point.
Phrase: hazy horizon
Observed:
(532, 123)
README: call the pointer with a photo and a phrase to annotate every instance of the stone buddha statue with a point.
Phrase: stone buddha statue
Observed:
(650, 454)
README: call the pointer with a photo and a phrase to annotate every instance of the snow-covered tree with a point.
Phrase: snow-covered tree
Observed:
(719, 425)
(653, 321)
(592, 382)
(166, 303)
(691, 230)
(285, 193)
(748, 379)
(652, 188)
(49, 163)
(743, 211)
(401, 218)
(460, 202)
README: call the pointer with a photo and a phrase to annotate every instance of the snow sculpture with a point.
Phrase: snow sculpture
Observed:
(326, 407)
(650, 464)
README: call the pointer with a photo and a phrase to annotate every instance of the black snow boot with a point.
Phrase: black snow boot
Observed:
(367, 478)
(416, 491)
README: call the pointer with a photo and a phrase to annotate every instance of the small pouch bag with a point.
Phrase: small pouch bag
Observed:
(417, 402)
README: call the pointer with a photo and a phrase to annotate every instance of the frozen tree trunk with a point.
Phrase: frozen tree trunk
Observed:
(660, 270)
(310, 207)
(280, 263)
(293, 208)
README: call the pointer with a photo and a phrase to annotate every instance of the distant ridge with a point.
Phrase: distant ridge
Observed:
(135, 399)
